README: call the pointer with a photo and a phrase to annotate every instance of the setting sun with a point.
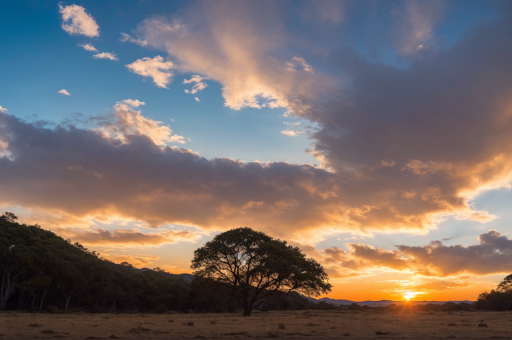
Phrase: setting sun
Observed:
(409, 295)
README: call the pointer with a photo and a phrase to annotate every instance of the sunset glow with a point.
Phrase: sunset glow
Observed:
(374, 136)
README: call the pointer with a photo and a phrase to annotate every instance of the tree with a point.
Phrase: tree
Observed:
(9, 217)
(256, 266)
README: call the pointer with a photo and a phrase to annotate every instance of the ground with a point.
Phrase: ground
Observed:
(343, 324)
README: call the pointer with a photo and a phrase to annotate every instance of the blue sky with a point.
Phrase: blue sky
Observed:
(346, 127)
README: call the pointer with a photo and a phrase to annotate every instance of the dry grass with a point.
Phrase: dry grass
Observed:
(265, 325)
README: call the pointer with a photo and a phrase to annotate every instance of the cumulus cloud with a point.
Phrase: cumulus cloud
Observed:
(105, 55)
(124, 122)
(293, 124)
(198, 86)
(292, 133)
(197, 99)
(493, 255)
(89, 47)
(3, 109)
(298, 64)
(64, 92)
(76, 21)
(155, 68)
(133, 102)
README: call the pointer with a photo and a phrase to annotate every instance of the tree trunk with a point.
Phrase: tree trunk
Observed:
(42, 299)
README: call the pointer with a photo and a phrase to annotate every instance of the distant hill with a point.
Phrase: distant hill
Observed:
(382, 303)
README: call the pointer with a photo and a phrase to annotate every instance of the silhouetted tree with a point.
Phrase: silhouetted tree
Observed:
(499, 298)
(256, 266)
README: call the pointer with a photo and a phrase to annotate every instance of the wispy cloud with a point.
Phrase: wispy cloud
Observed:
(89, 47)
(197, 99)
(292, 124)
(126, 37)
(198, 86)
(292, 133)
(155, 68)
(105, 55)
(133, 102)
(77, 21)
(65, 92)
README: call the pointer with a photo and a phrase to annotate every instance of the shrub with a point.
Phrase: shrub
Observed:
(33, 324)
(310, 324)
(113, 336)
(281, 325)
(482, 325)
(213, 322)
(452, 324)
(382, 333)
(47, 331)
(190, 323)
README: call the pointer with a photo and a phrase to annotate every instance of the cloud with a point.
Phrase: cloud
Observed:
(292, 133)
(493, 255)
(76, 21)
(89, 47)
(156, 68)
(124, 122)
(138, 261)
(105, 55)
(133, 102)
(298, 64)
(128, 237)
(414, 25)
(235, 43)
(198, 86)
(293, 124)
(65, 92)
(197, 99)
(3, 109)
(126, 37)
(401, 149)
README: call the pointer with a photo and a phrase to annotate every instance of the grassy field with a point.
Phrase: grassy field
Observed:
(283, 325)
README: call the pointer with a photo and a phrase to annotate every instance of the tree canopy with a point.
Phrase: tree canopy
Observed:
(256, 266)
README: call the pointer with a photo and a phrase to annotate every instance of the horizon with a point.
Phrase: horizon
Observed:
(372, 135)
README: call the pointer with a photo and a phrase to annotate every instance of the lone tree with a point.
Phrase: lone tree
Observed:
(257, 266)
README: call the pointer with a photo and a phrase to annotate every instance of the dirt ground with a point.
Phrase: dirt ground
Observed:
(283, 325)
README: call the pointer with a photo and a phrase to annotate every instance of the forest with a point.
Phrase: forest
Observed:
(41, 271)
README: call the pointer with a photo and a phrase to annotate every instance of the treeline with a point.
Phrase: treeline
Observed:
(497, 299)
(40, 271)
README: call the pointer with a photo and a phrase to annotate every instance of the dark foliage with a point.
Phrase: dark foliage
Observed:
(499, 298)
(41, 271)
(257, 267)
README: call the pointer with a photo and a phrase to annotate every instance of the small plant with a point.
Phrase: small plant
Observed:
(171, 320)
(213, 322)
(481, 324)
(346, 334)
(310, 324)
(382, 333)
(281, 325)
(190, 323)
(47, 331)
(199, 337)
(33, 324)
(452, 324)
(451, 336)
(113, 336)
(271, 335)
(160, 332)
(92, 337)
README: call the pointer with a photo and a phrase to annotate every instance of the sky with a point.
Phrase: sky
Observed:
(374, 135)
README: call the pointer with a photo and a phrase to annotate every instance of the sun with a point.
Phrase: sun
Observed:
(409, 295)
